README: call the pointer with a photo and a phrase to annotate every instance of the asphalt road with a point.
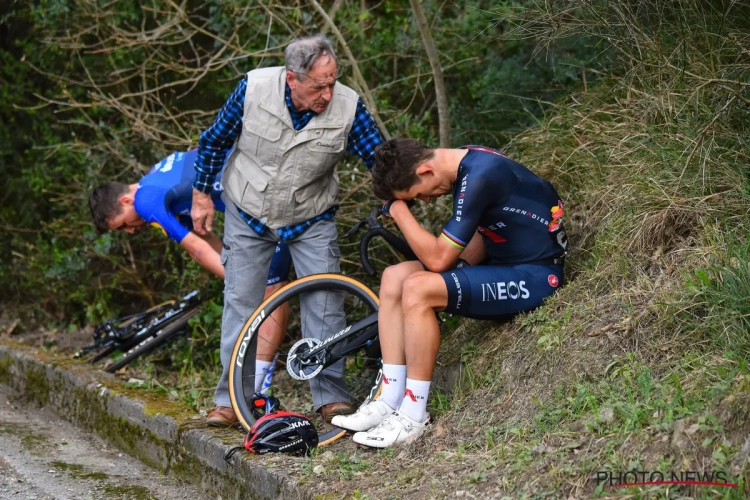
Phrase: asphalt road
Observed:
(43, 457)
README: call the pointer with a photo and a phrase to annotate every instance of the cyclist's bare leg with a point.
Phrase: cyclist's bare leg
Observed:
(423, 294)
(271, 333)
(390, 315)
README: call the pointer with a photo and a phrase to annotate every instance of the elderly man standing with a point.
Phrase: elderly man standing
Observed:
(290, 125)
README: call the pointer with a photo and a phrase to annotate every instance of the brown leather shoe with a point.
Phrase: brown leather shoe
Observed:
(332, 409)
(221, 416)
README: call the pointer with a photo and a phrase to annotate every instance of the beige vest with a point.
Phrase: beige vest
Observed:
(279, 175)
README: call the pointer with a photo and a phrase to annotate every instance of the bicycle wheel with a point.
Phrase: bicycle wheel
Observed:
(358, 371)
(174, 328)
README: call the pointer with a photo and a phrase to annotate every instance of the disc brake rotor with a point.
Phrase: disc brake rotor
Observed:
(301, 366)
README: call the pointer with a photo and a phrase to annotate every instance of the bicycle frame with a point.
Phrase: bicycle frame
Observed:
(370, 322)
(109, 336)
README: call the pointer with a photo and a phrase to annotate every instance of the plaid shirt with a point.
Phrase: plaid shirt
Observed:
(216, 142)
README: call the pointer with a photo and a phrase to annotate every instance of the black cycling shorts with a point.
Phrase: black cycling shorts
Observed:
(491, 292)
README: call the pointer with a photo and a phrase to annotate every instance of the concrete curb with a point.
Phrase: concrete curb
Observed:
(162, 434)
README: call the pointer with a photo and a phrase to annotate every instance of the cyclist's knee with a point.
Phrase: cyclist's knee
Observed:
(392, 282)
(422, 290)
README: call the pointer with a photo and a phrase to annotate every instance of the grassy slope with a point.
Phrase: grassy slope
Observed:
(640, 361)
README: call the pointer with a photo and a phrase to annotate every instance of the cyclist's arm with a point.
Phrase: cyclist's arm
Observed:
(203, 252)
(474, 253)
(212, 240)
(150, 205)
(437, 254)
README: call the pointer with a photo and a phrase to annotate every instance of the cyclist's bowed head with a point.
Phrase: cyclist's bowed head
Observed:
(112, 207)
(410, 170)
(500, 253)
(406, 169)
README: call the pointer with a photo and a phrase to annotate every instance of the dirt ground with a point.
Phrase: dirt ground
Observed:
(61, 341)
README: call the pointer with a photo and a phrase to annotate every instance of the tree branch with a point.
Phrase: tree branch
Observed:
(366, 94)
(437, 71)
(332, 14)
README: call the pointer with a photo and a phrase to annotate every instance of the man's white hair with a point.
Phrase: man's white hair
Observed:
(301, 54)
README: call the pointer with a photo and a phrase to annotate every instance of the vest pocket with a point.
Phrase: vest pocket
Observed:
(253, 193)
(226, 261)
(254, 135)
(326, 145)
(321, 154)
(316, 198)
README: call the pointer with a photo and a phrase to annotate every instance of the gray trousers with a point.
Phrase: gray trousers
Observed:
(246, 257)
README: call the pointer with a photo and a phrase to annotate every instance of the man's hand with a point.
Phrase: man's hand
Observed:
(202, 212)
(386, 210)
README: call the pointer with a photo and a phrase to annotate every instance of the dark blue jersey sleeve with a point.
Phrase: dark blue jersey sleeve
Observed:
(479, 185)
(150, 205)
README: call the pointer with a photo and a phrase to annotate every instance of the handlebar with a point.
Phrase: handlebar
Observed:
(374, 228)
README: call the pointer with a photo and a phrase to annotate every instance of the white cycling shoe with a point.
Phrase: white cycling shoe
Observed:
(369, 415)
(396, 428)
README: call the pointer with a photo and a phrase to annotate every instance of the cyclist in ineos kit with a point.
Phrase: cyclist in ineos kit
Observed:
(162, 199)
(497, 201)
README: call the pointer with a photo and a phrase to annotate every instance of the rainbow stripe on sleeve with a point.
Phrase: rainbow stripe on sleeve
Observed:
(453, 240)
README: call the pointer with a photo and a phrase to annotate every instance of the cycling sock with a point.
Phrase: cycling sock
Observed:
(394, 382)
(261, 370)
(269, 376)
(414, 404)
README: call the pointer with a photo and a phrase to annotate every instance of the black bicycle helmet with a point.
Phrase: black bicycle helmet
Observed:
(283, 432)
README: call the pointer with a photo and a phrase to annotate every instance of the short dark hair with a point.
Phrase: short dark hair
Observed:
(396, 162)
(104, 203)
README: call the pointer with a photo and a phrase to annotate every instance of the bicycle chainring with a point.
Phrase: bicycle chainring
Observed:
(301, 366)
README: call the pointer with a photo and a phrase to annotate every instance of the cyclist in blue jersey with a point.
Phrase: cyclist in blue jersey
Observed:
(505, 218)
(163, 199)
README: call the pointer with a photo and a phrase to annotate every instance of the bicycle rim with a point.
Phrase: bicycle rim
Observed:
(358, 370)
(152, 341)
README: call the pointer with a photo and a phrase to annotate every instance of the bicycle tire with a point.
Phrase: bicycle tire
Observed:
(242, 364)
(162, 336)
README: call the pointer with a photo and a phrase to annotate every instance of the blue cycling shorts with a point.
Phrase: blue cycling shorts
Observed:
(492, 292)
(280, 264)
